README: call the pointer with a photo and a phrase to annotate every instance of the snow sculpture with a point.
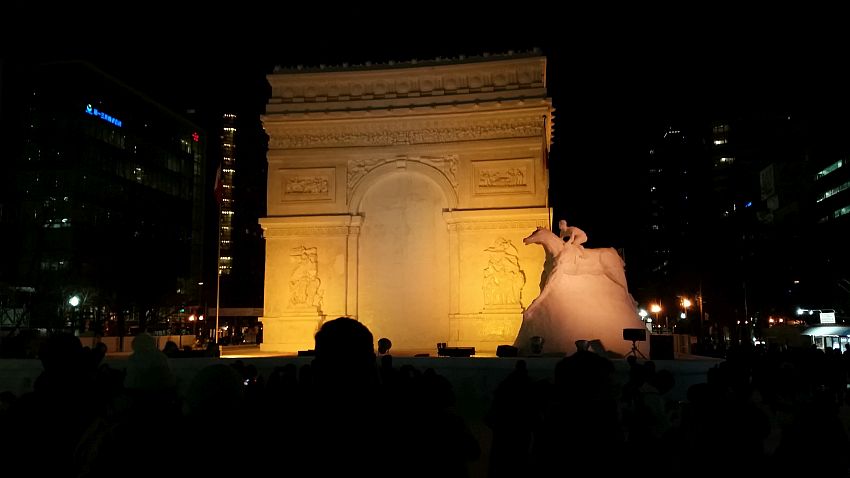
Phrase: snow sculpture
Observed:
(584, 296)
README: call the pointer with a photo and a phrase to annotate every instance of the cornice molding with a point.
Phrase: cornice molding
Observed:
(510, 75)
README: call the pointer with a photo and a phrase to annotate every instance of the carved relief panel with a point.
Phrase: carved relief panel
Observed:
(503, 277)
(304, 283)
(503, 176)
(313, 184)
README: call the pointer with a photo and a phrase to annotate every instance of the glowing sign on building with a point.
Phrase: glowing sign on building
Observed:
(103, 116)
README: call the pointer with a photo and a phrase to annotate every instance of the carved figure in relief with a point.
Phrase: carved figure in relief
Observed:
(304, 282)
(307, 185)
(503, 277)
(502, 177)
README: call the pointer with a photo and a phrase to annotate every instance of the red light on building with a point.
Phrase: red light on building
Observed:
(195, 137)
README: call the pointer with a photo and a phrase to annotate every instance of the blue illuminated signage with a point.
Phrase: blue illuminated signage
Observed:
(103, 116)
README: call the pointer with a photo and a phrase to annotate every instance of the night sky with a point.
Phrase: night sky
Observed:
(614, 81)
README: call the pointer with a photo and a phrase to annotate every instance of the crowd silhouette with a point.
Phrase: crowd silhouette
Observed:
(764, 410)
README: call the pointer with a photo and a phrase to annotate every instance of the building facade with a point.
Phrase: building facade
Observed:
(400, 195)
(104, 201)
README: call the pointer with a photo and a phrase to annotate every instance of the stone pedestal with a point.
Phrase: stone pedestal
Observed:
(294, 330)
(485, 330)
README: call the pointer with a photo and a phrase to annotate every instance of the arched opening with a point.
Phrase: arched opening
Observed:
(403, 283)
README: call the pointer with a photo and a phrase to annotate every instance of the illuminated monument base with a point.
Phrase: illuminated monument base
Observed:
(485, 330)
(292, 331)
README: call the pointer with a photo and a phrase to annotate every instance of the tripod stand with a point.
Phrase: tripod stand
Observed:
(634, 351)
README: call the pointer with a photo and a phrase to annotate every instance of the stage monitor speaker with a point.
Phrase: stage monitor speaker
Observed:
(307, 353)
(635, 335)
(661, 347)
(456, 351)
(506, 351)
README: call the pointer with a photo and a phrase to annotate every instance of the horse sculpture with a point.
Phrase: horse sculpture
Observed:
(584, 296)
(585, 261)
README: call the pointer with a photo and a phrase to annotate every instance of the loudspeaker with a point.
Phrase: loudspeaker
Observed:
(506, 351)
(638, 335)
(661, 347)
(456, 351)
(307, 353)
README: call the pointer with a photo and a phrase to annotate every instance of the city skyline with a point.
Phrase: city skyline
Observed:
(610, 102)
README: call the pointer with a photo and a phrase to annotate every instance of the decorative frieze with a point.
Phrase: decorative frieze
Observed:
(501, 225)
(401, 132)
(308, 231)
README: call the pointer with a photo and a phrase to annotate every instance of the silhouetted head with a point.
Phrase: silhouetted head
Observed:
(144, 342)
(61, 352)
(384, 345)
(581, 345)
(170, 348)
(345, 353)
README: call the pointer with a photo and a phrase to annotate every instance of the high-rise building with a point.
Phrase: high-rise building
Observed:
(662, 263)
(829, 201)
(103, 201)
(746, 214)
(226, 211)
(239, 172)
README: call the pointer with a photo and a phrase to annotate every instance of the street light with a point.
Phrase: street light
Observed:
(74, 300)
(655, 309)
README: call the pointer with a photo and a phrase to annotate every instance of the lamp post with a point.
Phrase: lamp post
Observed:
(686, 303)
(74, 301)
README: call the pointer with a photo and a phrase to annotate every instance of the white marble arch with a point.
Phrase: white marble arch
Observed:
(403, 256)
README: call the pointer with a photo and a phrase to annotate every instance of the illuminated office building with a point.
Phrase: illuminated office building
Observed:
(228, 169)
(105, 199)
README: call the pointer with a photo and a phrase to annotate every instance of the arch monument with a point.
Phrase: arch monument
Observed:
(399, 195)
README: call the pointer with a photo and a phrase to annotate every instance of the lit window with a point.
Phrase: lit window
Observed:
(842, 211)
(718, 142)
(833, 191)
(832, 167)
